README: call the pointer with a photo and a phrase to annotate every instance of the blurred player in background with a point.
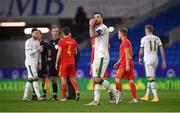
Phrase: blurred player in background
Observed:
(149, 48)
(125, 64)
(100, 32)
(32, 62)
(52, 53)
(66, 57)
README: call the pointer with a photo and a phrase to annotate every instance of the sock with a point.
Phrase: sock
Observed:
(133, 90)
(44, 90)
(75, 85)
(108, 86)
(36, 88)
(63, 90)
(154, 90)
(119, 87)
(27, 89)
(148, 88)
(54, 88)
(97, 92)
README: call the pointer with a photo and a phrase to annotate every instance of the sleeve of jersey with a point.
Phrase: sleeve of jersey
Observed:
(126, 45)
(142, 43)
(60, 43)
(29, 48)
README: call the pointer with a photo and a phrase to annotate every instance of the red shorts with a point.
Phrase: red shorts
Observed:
(67, 70)
(123, 74)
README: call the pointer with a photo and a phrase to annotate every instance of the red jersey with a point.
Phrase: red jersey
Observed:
(68, 53)
(124, 45)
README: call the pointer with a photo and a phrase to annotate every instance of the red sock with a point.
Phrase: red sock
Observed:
(63, 90)
(75, 85)
(133, 90)
(119, 87)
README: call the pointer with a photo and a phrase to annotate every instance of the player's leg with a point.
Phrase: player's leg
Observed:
(28, 85)
(33, 71)
(63, 88)
(148, 69)
(132, 85)
(53, 75)
(43, 86)
(102, 68)
(75, 86)
(133, 91)
(153, 84)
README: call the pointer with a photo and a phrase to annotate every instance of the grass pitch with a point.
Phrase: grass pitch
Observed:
(12, 101)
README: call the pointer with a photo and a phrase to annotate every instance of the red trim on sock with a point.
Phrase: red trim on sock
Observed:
(75, 85)
(119, 87)
(63, 90)
(133, 90)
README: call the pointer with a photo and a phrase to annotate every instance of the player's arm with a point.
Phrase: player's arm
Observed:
(58, 57)
(32, 51)
(39, 62)
(127, 56)
(117, 64)
(163, 57)
(141, 53)
(92, 31)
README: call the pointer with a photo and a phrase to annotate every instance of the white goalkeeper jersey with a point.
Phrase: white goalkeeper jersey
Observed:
(102, 42)
(150, 44)
(31, 53)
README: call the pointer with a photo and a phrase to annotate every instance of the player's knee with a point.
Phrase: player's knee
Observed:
(131, 81)
(117, 80)
(35, 78)
(98, 80)
(150, 79)
(30, 80)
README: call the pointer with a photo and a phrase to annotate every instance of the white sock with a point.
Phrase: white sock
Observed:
(36, 88)
(154, 90)
(27, 89)
(148, 88)
(108, 86)
(97, 92)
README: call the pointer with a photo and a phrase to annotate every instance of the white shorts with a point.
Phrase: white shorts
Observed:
(150, 68)
(32, 70)
(99, 66)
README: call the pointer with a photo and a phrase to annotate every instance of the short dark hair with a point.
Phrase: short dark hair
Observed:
(40, 31)
(54, 27)
(123, 30)
(149, 27)
(66, 30)
(99, 14)
(34, 29)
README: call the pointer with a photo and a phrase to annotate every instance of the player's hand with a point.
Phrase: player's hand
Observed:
(164, 65)
(92, 21)
(116, 65)
(140, 61)
(40, 49)
(127, 68)
(56, 66)
(39, 67)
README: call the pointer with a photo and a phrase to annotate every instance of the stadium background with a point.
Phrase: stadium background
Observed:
(134, 14)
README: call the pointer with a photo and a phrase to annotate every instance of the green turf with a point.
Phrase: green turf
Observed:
(169, 102)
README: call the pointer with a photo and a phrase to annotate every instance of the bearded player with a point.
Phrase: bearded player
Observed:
(101, 57)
